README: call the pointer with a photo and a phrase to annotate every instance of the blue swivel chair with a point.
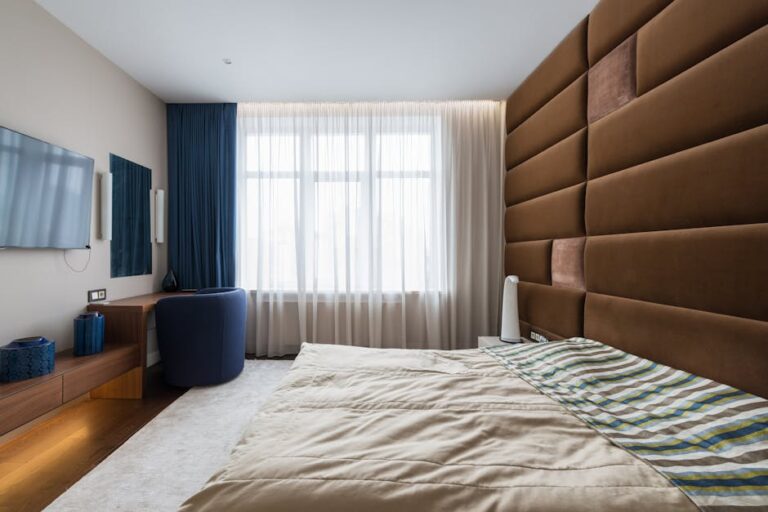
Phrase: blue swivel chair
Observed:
(201, 337)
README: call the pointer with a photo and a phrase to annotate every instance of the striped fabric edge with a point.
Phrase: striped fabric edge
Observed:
(708, 439)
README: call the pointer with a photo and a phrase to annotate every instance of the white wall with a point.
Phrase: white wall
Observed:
(55, 87)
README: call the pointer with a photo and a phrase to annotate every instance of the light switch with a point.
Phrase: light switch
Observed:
(97, 295)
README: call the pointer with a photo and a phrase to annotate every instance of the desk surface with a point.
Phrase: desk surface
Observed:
(142, 302)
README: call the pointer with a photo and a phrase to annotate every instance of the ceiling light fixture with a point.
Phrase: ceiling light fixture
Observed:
(226, 61)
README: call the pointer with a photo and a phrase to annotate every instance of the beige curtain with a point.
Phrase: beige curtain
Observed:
(371, 224)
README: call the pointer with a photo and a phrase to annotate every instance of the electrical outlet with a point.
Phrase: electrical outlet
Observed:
(96, 295)
(539, 338)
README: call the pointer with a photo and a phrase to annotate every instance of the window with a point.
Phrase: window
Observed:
(333, 208)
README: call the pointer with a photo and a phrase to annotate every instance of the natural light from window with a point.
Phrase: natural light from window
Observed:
(340, 211)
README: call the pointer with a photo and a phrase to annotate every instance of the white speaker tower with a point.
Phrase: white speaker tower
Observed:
(510, 322)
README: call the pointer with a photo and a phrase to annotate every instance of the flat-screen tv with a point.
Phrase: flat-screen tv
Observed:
(45, 194)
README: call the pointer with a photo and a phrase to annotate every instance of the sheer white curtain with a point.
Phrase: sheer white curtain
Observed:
(371, 224)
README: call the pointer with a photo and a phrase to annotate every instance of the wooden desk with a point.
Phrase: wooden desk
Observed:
(126, 324)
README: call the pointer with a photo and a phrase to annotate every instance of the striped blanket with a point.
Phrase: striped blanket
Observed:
(709, 439)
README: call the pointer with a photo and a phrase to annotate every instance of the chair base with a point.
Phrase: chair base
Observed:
(186, 382)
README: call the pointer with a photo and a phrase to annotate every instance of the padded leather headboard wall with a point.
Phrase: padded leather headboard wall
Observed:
(637, 186)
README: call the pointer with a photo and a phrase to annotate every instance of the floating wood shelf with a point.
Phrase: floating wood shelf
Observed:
(72, 376)
(118, 372)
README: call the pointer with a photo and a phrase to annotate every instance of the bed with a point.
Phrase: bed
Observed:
(368, 430)
(360, 429)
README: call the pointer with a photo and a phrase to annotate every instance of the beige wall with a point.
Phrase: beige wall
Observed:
(55, 87)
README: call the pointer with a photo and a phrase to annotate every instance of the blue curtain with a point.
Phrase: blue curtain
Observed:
(131, 247)
(201, 193)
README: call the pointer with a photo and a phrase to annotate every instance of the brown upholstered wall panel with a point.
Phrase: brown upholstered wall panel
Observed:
(689, 31)
(564, 115)
(556, 310)
(721, 270)
(568, 263)
(720, 96)
(561, 67)
(612, 21)
(555, 215)
(611, 82)
(530, 261)
(676, 261)
(719, 183)
(727, 349)
(555, 168)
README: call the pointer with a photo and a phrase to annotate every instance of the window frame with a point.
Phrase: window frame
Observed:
(303, 152)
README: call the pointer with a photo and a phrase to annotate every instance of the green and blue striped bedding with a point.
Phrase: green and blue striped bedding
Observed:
(708, 439)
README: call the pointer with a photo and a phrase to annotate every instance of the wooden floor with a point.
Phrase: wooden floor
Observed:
(42, 463)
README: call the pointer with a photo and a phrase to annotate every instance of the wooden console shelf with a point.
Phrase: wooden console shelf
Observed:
(72, 376)
(117, 372)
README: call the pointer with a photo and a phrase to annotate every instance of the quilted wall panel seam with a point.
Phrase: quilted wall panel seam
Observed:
(684, 34)
(686, 111)
(555, 215)
(557, 167)
(720, 269)
(564, 64)
(558, 119)
(683, 338)
(612, 21)
(722, 182)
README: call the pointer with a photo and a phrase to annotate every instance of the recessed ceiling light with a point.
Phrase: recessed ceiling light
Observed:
(227, 61)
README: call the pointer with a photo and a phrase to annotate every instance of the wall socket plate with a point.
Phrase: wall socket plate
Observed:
(97, 295)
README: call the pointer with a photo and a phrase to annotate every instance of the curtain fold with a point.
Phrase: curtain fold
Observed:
(372, 224)
(201, 193)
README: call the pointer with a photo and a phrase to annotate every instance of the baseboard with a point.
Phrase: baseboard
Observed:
(153, 358)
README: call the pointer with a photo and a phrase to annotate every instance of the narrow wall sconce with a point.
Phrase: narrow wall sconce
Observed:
(160, 216)
(106, 206)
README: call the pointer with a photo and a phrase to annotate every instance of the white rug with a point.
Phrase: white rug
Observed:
(174, 454)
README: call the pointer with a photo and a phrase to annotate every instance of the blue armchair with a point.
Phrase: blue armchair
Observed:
(201, 337)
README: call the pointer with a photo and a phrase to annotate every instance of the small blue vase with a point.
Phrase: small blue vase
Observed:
(89, 334)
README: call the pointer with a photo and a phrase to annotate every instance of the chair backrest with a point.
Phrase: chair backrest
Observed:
(224, 289)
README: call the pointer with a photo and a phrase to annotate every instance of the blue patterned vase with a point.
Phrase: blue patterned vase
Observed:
(27, 358)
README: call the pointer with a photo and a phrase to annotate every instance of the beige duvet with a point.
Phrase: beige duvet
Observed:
(355, 429)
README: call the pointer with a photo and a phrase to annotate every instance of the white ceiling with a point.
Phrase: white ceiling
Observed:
(323, 50)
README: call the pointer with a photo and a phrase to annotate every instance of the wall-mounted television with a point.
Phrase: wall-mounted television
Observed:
(45, 194)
